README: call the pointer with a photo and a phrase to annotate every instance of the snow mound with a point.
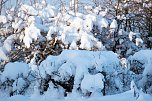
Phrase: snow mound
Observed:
(14, 70)
(78, 64)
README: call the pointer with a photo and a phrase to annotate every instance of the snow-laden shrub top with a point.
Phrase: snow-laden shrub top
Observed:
(80, 65)
(80, 60)
(15, 70)
(145, 58)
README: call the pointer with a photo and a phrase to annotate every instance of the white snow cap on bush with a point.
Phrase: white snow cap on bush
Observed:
(102, 23)
(52, 31)
(139, 41)
(76, 63)
(88, 41)
(31, 33)
(49, 11)
(3, 19)
(8, 43)
(7, 47)
(14, 70)
(29, 10)
(113, 25)
(133, 34)
(145, 57)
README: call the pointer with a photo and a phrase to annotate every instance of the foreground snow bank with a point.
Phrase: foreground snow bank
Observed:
(126, 96)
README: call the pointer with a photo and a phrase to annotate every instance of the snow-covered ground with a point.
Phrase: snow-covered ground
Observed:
(126, 96)
(90, 66)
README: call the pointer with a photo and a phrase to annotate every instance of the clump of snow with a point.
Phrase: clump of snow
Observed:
(54, 92)
(77, 23)
(88, 42)
(73, 46)
(8, 43)
(52, 31)
(144, 57)
(18, 25)
(133, 35)
(31, 33)
(91, 17)
(102, 23)
(113, 24)
(139, 41)
(92, 83)
(14, 70)
(104, 13)
(69, 35)
(88, 24)
(123, 62)
(7, 47)
(29, 10)
(18, 84)
(66, 71)
(3, 53)
(3, 19)
(48, 12)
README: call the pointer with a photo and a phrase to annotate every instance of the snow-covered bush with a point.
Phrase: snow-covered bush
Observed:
(140, 64)
(77, 65)
(14, 78)
(59, 52)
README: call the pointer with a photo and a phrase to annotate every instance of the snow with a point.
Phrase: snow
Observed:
(102, 23)
(132, 35)
(3, 19)
(139, 41)
(77, 63)
(91, 70)
(92, 83)
(145, 57)
(18, 84)
(88, 41)
(48, 12)
(104, 13)
(7, 47)
(3, 55)
(114, 24)
(29, 10)
(8, 43)
(14, 70)
(18, 24)
(88, 24)
(31, 33)
(52, 31)
(54, 92)
(126, 96)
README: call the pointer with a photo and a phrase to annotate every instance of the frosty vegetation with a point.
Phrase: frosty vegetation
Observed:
(94, 48)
